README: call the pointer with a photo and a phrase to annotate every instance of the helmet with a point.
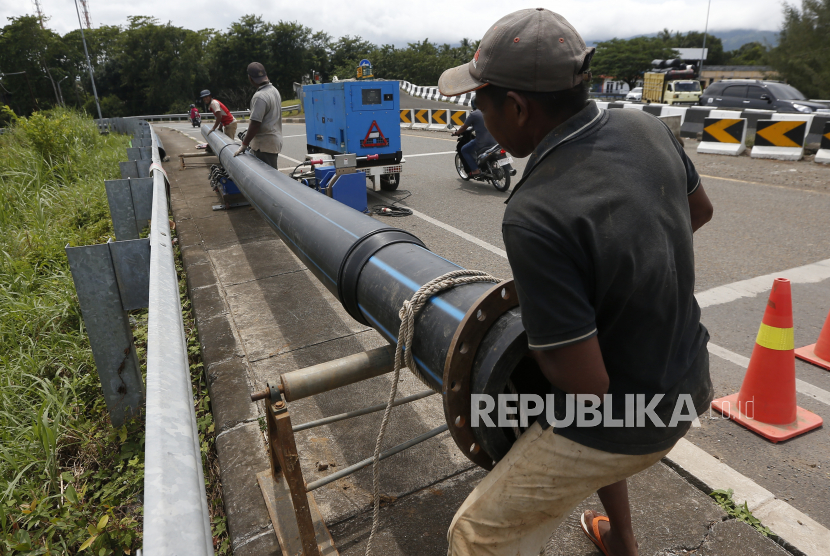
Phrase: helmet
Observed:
(204, 94)
(193, 106)
(473, 104)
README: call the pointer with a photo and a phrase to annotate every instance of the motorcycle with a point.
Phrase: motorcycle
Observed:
(196, 120)
(494, 164)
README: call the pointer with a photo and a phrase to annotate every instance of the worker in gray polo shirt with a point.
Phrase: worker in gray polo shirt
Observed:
(264, 135)
(598, 233)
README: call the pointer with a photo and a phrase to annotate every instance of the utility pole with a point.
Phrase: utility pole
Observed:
(38, 12)
(705, 30)
(88, 63)
(85, 11)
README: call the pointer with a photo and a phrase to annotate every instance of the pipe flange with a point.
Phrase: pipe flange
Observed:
(458, 367)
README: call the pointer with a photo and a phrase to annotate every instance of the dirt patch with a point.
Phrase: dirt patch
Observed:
(804, 174)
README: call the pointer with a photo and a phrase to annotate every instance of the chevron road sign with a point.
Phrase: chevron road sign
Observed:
(787, 133)
(723, 136)
(780, 139)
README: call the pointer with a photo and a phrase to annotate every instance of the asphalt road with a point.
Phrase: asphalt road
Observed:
(758, 229)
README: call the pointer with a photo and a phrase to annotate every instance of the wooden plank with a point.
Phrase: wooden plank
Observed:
(281, 510)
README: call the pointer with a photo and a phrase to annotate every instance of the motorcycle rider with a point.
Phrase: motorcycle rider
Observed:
(483, 140)
(194, 112)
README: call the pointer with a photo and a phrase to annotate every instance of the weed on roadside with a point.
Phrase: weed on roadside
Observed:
(724, 499)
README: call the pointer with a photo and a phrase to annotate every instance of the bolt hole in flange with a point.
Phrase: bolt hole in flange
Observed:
(505, 294)
(481, 315)
(455, 387)
(464, 348)
(474, 448)
(460, 421)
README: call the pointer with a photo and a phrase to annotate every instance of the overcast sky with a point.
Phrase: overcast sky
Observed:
(398, 22)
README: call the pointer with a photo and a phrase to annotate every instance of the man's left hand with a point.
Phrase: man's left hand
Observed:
(242, 149)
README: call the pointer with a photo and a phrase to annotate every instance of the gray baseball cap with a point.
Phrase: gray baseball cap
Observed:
(528, 50)
(256, 72)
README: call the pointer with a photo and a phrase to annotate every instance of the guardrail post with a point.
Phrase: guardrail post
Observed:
(131, 205)
(108, 280)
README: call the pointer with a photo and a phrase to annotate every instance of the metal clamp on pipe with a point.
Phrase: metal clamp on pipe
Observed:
(357, 257)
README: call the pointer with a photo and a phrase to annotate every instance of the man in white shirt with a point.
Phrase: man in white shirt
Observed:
(264, 135)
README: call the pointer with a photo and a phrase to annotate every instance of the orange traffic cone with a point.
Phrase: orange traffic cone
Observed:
(818, 353)
(766, 401)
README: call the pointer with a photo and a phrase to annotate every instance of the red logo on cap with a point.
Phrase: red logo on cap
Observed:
(475, 58)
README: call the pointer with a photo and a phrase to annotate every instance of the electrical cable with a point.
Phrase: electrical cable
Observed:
(392, 210)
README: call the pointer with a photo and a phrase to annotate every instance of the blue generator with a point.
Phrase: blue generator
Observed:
(360, 118)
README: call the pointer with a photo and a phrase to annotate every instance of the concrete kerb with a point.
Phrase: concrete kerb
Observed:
(794, 529)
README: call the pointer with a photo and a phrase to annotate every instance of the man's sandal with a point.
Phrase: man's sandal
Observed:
(595, 538)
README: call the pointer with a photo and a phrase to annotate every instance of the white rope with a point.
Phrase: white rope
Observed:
(404, 358)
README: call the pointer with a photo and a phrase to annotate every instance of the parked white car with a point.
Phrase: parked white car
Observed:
(635, 94)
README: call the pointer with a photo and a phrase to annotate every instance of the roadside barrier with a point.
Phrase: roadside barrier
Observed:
(723, 136)
(766, 401)
(439, 119)
(779, 139)
(823, 154)
(420, 118)
(818, 353)
(131, 273)
(816, 129)
(458, 117)
(406, 119)
(693, 121)
(432, 93)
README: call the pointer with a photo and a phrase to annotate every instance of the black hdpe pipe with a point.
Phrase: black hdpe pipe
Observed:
(372, 269)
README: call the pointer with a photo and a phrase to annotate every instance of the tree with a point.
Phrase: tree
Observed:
(26, 47)
(749, 54)
(802, 56)
(715, 55)
(627, 60)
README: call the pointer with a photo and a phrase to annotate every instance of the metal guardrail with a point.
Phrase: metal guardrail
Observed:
(176, 516)
(127, 274)
(205, 115)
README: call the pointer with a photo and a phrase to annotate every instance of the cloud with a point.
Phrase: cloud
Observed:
(399, 23)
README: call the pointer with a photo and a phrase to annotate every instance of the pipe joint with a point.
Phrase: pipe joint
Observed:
(356, 258)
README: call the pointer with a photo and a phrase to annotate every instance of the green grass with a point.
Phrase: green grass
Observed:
(69, 482)
(291, 103)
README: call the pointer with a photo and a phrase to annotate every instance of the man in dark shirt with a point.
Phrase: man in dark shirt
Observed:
(483, 140)
(598, 233)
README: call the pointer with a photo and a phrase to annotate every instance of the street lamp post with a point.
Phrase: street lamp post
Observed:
(60, 91)
(705, 30)
(88, 63)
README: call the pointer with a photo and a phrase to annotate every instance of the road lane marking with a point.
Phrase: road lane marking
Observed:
(451, 229)
(807, 274)
(765, 184)
(428, 137)
(428, 154)
(800, 386)
(291, 159)
(290, 136)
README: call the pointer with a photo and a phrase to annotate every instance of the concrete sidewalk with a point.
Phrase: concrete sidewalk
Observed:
(261, 313)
